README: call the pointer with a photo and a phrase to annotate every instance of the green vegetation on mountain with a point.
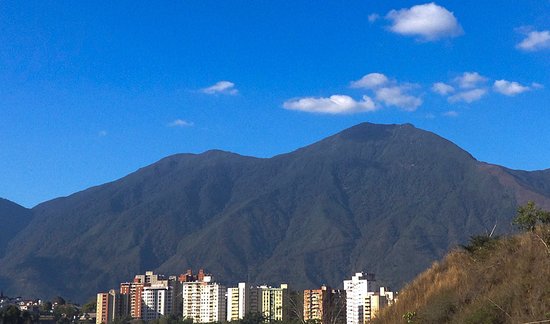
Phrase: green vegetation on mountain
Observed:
(490, 281)
(388, 199)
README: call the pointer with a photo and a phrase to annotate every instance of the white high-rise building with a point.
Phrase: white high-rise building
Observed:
(357, 292)
(157, 301)
(204, 301)
(237, 299)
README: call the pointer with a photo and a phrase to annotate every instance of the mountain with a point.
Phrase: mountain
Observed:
(388, 199)
(492, 281)
(13, 219)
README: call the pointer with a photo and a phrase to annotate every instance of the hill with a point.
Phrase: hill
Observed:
(389, 199)
(501, 281)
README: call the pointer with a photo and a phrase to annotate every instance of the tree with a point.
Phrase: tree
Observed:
(122, 320)
(526, 217)
(10, 315)
(253, 318)
(26, 317)
(296, 307)
(480, 242)
(169, 319)
(46, 307)
(90, 306)
(187, 321)
(65, 311)
(529, 215)
(544, 217)
(336, 311)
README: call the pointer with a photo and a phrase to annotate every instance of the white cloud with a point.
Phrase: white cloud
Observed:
(535, 40)
(102, 133)
(389, 92)
(468, 96)
(536, 85)
(397, 96)
(221, 87)
(335, 104)
(373, 17)
(180, 123)
(442, 88)
(450, 113)
(370, 81)
(428, 21)
(509, 88)
(470, 80)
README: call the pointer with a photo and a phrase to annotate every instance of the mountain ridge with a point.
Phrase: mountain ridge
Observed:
(385, 198)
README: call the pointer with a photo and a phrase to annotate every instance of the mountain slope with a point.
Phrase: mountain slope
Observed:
(504, 281)
(13, 219)
(388, 199)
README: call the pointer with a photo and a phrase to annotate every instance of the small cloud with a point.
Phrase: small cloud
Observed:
(370, 81)
(468, 96)
(429, 116)
(389, 92)
(398, 96)
(470, 80)
(536, 85)
(102, 133)
(428, 21)
(180, 123)
(442, 88)
(221, 87)
(535, 41)
(450, 113)
(509, 88)
(335, 104)
(373, 17)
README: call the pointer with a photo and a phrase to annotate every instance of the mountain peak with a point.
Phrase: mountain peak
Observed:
(369, 196)
(369, 131)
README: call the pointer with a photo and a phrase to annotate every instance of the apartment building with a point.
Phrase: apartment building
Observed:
(325, 305)
(241, 300)
(110, 306)
(146, 292)
(204, 300)
(274, 303)
(357, 291)
(376, 301)
(157, 301)
(134, 291)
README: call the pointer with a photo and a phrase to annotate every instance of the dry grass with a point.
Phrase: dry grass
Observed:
(505, 282)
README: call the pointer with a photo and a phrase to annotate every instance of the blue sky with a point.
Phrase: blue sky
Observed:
(93, 90)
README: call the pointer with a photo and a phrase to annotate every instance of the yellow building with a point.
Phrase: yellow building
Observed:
(374, 302)
(274, 303)
(102, 308)
(242, 300)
